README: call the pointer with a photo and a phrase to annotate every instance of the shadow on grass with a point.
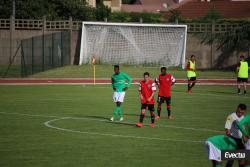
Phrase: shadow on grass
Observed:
(107, 120)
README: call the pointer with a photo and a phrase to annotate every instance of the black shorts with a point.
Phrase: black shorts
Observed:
(242, 79)
(240, 145)
(150, 107)
(192, 79)
(162, 99)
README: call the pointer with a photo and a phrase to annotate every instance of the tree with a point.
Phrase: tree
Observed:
(53, 9)
(211, 16)
(175, 16)
(237, 39)
(102, 12)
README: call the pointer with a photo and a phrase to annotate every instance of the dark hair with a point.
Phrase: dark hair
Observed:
(116, 66)
(242, 106)
(163, 68)
(242, 56)
(146, 73)
(192, 56)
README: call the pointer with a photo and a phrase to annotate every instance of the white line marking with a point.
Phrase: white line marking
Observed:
(124, 122)
(47, 124)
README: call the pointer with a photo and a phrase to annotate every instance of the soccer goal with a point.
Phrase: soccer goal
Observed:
(129, 43)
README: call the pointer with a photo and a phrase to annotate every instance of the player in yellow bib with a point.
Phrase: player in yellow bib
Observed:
(242, 78)
(191, 74)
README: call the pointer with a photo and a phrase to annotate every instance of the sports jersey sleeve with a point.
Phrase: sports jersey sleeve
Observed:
(153, 87)
(112, 82)
(128, 78)
(242, 123)
(139, 88)
(173, 79)
(229, 122)
(188, 66)
(157, 80)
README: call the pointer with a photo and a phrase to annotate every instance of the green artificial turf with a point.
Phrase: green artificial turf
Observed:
(90, 140)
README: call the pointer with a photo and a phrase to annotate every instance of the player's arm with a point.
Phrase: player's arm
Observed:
(129, 79)
(140, 92)
(153, 92)
(157, 82)
(173, 80)
(228, 125)
(238, 68)
(112, 82)
(188, 67)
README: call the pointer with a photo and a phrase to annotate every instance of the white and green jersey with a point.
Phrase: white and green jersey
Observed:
(231, 125)
(119, 81)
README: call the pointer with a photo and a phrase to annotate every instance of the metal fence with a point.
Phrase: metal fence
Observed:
(27, 24)
(44, 52)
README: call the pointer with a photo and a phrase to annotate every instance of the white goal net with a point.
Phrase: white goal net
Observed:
(123, 43)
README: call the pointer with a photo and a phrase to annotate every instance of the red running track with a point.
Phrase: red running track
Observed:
(102, 81)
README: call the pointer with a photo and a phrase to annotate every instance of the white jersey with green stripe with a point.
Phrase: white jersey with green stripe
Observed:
(231, 125)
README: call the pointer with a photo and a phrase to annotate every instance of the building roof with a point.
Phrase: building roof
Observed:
(154, 6)
(226, 8)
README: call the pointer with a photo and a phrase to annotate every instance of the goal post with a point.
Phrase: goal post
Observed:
(131, 43)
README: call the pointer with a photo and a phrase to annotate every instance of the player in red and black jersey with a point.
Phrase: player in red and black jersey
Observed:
(164, 82)
(146, 89)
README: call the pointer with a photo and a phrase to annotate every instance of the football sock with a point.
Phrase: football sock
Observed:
(238, 90)
(245, 92)
(189, 87)
(230, 163)
(142, 117)
(120, 112)
(217, 165)
(116, 111)
(192, 84)
(169, 112)
(152, 117)
(159, 110)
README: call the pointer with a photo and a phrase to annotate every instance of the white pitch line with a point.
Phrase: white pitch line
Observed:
(124, 122)
(47, 124)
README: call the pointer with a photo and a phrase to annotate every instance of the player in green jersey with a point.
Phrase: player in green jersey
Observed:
(120, 86)
(217, 143)
(244, 126)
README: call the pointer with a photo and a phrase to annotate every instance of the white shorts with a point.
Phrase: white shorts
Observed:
(247, 145)
(118, 96)
(213, 152)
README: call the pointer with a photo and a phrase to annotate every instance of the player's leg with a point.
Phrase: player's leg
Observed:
(142, 115)
(193, 82)
(238, 85)
(159, 101)
(119, 103)
(115, 113)
(216, 164)
(230, 163)
(190, 85)
(168, 105)
(152, 114)
(245, 86)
